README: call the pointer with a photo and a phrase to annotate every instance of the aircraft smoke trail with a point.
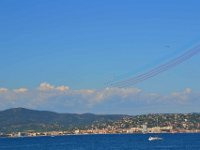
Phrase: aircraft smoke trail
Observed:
(155, 71)
(161, 68)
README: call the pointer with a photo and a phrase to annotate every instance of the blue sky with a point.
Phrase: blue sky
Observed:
(86, 44)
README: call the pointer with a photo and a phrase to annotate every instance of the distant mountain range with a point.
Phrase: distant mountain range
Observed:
(21, 119)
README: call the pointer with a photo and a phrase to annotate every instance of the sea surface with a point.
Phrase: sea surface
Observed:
(103, 142)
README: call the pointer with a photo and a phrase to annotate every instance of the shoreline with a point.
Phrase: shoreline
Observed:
(52, 136)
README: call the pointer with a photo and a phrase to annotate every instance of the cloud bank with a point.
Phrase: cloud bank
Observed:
(109, 100)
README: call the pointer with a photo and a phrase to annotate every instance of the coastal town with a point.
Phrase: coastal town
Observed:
(137, 130)
(142, 124)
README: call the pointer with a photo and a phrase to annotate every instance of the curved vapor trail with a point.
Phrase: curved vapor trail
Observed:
(174, 62)
(161, 68)
(155, 73)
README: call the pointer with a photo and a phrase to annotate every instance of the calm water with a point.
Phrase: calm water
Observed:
(103, 142)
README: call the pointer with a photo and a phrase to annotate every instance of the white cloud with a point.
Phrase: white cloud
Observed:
(182, 96)
(46, 86)
(188, 91)
(123, 93)
(62, 98)
(62, 88)
(3, 90)
(20, 90)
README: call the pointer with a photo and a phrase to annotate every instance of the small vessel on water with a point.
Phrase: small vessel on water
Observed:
(155, 138)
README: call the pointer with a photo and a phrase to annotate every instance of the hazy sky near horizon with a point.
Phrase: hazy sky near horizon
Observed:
(57, 55)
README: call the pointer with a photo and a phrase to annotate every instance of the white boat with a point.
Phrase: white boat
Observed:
(155, 138)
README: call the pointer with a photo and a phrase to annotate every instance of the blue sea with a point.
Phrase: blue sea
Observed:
(103, 142)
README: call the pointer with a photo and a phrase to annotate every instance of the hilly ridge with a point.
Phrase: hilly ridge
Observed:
(21, 119)
(26, 120)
